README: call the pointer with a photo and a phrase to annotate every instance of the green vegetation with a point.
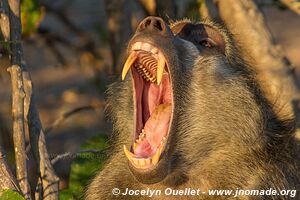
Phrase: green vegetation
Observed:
(31, 16)
(11, 195)
(84, 167)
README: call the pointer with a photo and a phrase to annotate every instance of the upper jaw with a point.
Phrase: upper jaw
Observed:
(145, 46)
(134, 53)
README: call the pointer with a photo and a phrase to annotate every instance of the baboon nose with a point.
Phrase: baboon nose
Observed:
(154, 24)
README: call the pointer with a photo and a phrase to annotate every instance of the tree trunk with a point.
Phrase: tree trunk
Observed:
(25, 114)
(7, 180)
(18, 98)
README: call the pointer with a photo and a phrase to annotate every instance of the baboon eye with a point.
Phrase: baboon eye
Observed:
(205, 43)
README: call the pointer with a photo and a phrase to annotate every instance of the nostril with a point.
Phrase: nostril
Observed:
(153, 24)
(158, 25)
(148, 22)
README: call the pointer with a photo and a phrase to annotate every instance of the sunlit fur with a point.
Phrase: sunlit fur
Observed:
(225, 134)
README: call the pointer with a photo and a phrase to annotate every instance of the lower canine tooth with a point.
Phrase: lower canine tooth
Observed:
(156, 157)
(128, 154)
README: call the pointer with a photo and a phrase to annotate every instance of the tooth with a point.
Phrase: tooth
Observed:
(160, 68)
(136, 46)
(141, 162)
(141, 136)
(130, 60)
(134, 146)
(154, 50)
(128, 154)
(135, 161)
(146, 47)
(156, 156)
(147, 161)
(153, 79)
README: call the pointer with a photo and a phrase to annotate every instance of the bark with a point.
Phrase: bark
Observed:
(18, 98)
(4, 20)
(249, 29)
(48, 182)
(292, 5)
(18, 129)
(25, 116)
(7, 179)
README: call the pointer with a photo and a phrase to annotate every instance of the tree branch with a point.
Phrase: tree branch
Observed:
(24, 110)
(7, 179)
(62, 118)
(49, 181)
(4, 20)
(18, 129)
(292, 5)
(18, 97)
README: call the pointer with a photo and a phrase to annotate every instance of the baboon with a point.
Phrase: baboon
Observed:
(190, 114)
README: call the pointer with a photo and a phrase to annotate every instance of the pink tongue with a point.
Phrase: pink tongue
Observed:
(155, 128)
(157, 125)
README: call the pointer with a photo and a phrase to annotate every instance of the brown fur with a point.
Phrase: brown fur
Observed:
(224, 135)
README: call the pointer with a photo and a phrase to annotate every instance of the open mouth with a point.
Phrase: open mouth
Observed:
(153, 101)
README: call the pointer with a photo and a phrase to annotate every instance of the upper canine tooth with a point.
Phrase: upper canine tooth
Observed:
(160, 68)
(130, 60)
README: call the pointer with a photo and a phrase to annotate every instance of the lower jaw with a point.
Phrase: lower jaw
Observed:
(145, 164)
(151, 175)
(148, 147)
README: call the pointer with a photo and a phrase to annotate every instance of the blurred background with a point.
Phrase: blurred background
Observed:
(74, 49)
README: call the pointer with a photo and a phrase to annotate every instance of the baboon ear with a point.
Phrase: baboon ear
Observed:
(202, 35)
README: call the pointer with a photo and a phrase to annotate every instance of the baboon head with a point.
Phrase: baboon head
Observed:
(187, 97)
